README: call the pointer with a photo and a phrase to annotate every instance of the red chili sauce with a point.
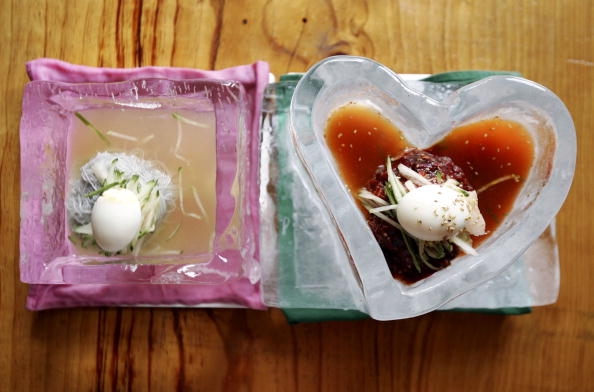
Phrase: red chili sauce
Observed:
(495, 155)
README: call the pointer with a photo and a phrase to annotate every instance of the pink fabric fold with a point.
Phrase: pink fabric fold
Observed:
(237, 292)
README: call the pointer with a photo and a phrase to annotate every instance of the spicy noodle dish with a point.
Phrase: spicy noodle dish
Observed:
(427, 207)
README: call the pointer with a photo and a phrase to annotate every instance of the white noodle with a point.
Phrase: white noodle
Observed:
(181, 198)
(121, 136)
(198, 201)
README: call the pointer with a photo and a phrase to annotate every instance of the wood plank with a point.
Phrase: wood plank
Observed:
(550, 349)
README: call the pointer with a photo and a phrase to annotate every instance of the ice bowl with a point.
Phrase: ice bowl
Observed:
(192, 129)
(424, 121)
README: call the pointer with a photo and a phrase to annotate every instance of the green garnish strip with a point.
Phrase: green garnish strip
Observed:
(415, 255)
(423, 253)
(90, 125)
(181, 196)
(178, 140)
(188, 121)
(499, 180)
(398, 190)
(103, 189)
(174, 232)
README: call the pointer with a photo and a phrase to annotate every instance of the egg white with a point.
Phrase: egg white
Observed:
(115, 219)
(434, 212)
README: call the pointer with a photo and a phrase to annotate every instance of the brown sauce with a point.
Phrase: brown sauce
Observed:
(488, 151)
(360, 140)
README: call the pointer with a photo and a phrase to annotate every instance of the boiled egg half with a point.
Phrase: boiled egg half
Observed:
(115, 219)
(439, 212)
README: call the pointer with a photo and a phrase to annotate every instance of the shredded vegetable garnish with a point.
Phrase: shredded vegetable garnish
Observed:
(198, 201)
(452, 219)
(499, 180)
(188, 121)
(174, 232)
(412, 175)
(180, 120)
(147, 138)
(178, 143)
(150, 186)
(181, 196)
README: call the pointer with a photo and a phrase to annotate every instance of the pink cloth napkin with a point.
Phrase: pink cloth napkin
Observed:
(237, 292)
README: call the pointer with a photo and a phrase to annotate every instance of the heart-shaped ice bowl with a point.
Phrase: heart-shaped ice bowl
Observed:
(339, 80)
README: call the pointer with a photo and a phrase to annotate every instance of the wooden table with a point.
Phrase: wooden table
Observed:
(550, 349)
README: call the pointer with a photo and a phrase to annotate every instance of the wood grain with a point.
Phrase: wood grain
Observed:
(551, 349)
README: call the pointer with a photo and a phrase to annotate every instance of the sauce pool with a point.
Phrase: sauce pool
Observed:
(360, 140)
(488, 151)
(495, 154)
